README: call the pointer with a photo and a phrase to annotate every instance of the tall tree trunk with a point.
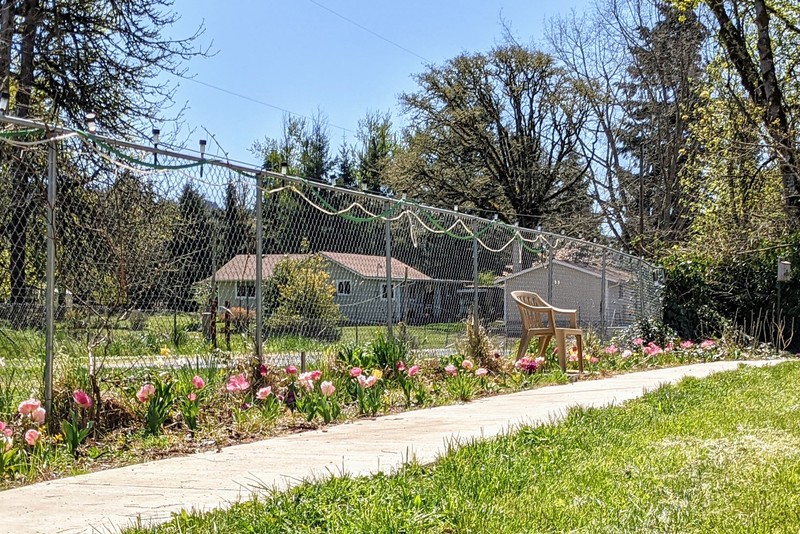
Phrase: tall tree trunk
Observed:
(21, 179)
(775, 115)
(762, 85)
(6, 37)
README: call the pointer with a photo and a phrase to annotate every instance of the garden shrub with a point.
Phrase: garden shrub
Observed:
(477, 344)
(355, 355)
(387, 352)
(704, 294)
(299, 299)
(241, 318)
(650, 331)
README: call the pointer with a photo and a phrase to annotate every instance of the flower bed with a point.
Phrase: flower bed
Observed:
(192, 408)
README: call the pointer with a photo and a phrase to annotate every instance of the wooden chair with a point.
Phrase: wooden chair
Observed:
(539, 320)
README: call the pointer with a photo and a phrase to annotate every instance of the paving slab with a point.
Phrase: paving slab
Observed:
(107, 501)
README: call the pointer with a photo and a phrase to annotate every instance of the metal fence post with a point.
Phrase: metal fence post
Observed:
(550, 258)
(259, 266)
(389, 290)
(641, 289)
(50, 276)
(475, 276)
(603, 295)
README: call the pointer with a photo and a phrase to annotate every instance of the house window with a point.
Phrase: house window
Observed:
(246, 290)
(384, 292)
(621, 291)
(343, 287)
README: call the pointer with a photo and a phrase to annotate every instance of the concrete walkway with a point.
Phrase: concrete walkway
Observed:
(107, 501)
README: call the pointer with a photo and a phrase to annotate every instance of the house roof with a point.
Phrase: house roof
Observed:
(242, 268)
(612, 275)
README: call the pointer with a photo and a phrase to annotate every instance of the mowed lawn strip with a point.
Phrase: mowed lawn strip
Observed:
(720, 454)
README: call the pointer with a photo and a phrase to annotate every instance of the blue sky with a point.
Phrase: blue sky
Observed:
(299, 56)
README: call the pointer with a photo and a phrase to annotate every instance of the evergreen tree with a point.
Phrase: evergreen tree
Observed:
(191, 247)
(238, 226)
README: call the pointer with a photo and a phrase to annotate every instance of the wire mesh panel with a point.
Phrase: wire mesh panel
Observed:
(164, 258)
(436, 257)
(140, 237)
(23, 171)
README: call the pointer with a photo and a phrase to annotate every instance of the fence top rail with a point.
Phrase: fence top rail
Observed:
(258, 173)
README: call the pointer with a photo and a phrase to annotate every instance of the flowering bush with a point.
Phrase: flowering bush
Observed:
(405, 379)
(461, 383)
(369, 391)
(77, 429)
(189, 401)
(159, 397)
(268, 402)
(317, 398)
(529, 365)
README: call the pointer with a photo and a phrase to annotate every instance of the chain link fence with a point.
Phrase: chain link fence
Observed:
(154, 262)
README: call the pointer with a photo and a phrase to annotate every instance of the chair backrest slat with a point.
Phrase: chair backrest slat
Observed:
(533, 319)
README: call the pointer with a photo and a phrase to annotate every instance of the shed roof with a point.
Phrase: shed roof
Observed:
(612, 275)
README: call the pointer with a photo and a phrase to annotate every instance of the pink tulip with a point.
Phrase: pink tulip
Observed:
(362, 381)
(414, 370)
(263, 393)
(27, 407)
(292, 370)
(594, 359)
(38, 415)
(707, 344)
(401, 366)
(371, 380)
(687, 345)
(198, 382)
(32, 436)
(306, 380)
(626, 354)
(573, 357)
(612, 349)
(192, 396)
(467, 364)
(638, 341)
(481, 372)
(316, 375)
(5, 430)
(327, 388)
(82, 399)
(652, 349)
(145, 392)
(451, 369)
(263, 370)
(238, 383)
(355, 371)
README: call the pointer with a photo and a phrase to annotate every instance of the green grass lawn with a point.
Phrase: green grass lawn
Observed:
(715, 455)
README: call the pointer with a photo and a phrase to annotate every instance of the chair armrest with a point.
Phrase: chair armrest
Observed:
(572, 314)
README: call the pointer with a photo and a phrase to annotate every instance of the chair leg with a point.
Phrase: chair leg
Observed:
(523, 344)
(561, 343)
(579, 343)
(544, 342)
